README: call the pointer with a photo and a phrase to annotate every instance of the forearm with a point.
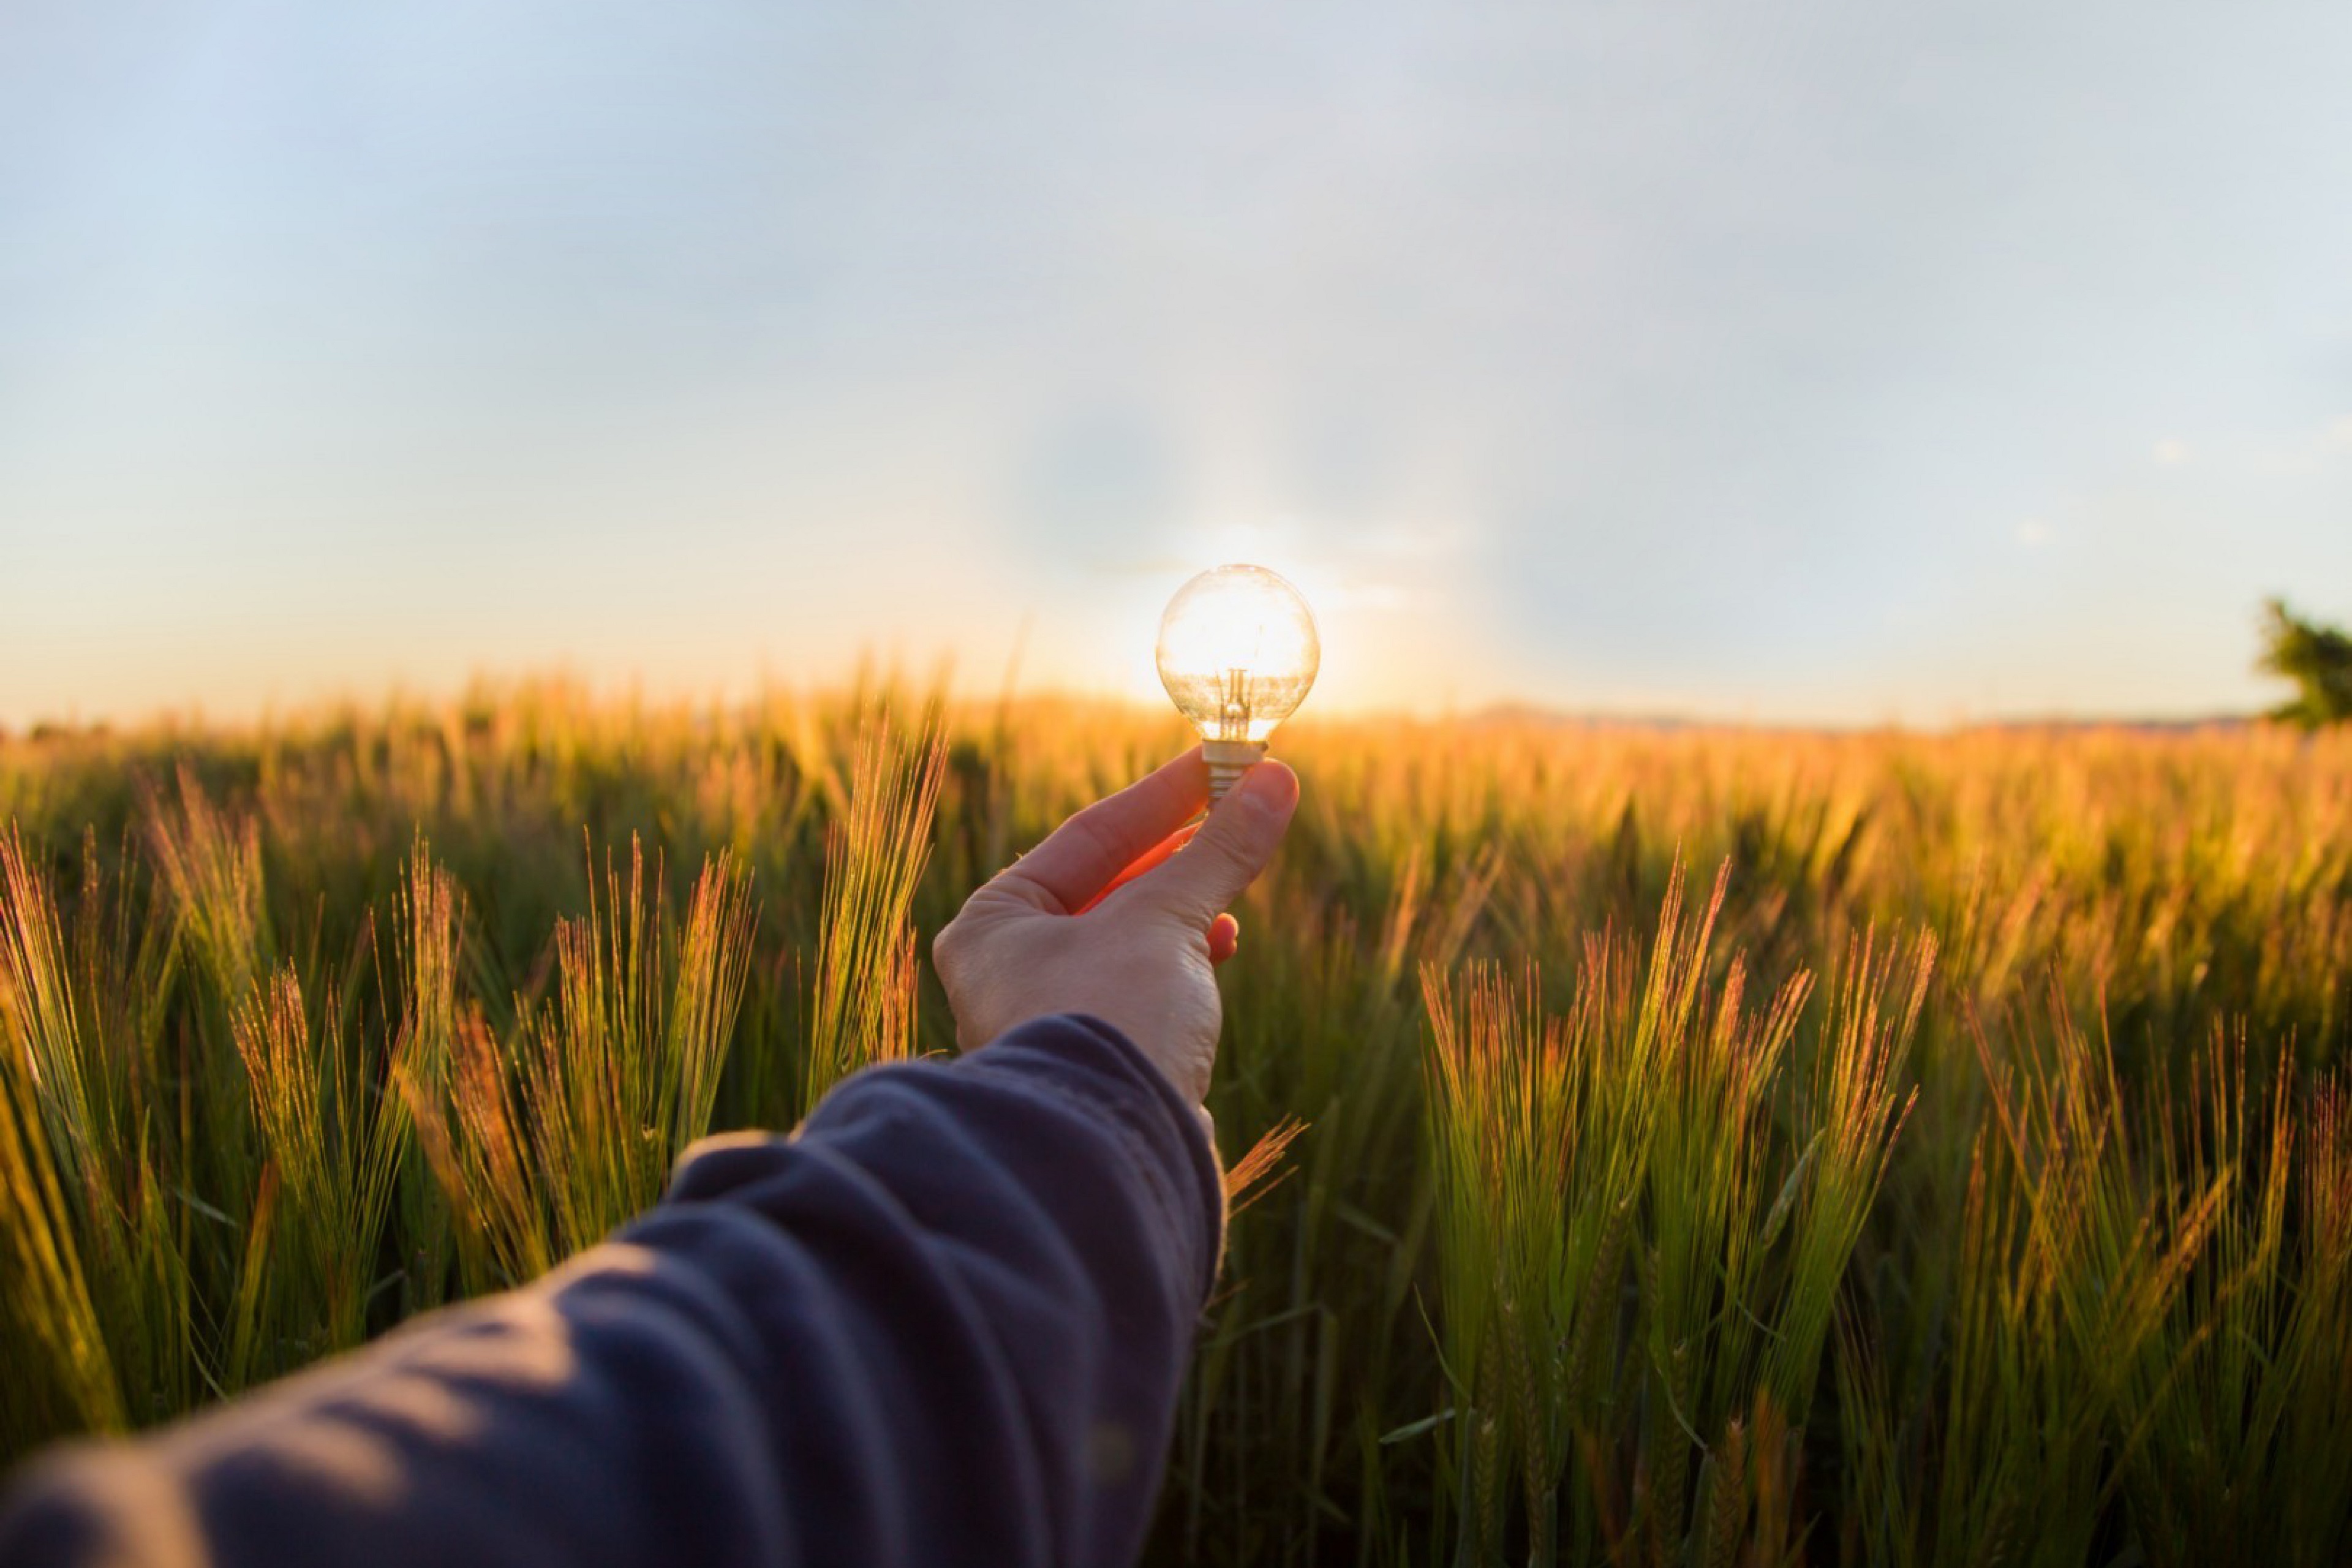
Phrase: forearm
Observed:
(945, 1323)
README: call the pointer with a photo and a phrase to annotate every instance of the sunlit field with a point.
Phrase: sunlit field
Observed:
(1711, 1146)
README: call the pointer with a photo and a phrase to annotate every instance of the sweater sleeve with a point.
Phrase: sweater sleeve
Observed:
(946, 1322)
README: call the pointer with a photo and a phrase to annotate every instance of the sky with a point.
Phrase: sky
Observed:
(1813, 362)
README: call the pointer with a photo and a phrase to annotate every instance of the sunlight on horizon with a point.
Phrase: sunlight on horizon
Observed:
(1815, 365)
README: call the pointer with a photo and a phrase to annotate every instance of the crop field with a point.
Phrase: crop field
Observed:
(1671, 1146)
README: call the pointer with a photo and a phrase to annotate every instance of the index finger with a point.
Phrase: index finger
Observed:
(1078, 859)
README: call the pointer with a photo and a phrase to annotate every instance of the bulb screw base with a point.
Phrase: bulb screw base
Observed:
(1228, 760)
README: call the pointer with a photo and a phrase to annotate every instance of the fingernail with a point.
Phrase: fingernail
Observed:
(1269, 789)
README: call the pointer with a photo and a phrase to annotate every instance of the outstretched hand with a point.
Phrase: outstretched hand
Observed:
(1106, 916)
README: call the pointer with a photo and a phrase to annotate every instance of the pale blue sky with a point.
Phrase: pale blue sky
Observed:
(1831, 361)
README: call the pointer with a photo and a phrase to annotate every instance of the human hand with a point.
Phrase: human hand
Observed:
(1106, 917)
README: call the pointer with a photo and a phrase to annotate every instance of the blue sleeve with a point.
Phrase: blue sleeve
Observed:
(945, 1323)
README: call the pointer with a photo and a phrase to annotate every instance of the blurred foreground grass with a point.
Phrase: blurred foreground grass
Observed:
(1961, 1174)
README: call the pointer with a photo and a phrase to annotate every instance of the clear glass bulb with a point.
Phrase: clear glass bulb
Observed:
(1237, 653)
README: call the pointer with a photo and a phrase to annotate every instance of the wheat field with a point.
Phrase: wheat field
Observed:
(1662, 1146)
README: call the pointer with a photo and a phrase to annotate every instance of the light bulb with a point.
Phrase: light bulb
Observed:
(1237, 652)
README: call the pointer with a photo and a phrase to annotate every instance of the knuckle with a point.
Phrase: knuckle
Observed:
(1223, 870)
(1093, 833)
(1232, 850)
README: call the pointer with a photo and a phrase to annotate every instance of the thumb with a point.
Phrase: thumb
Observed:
(1232, 845)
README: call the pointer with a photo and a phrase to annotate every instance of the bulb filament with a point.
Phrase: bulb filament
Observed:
(1234, 718)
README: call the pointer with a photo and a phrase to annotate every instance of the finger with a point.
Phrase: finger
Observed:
(1078, 859)
(1150, 857)
(1224, 938)
(1225, 856)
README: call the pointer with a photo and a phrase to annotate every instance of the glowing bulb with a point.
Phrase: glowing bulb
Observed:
(1237, 652)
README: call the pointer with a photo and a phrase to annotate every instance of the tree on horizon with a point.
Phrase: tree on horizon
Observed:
(2316, 657)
